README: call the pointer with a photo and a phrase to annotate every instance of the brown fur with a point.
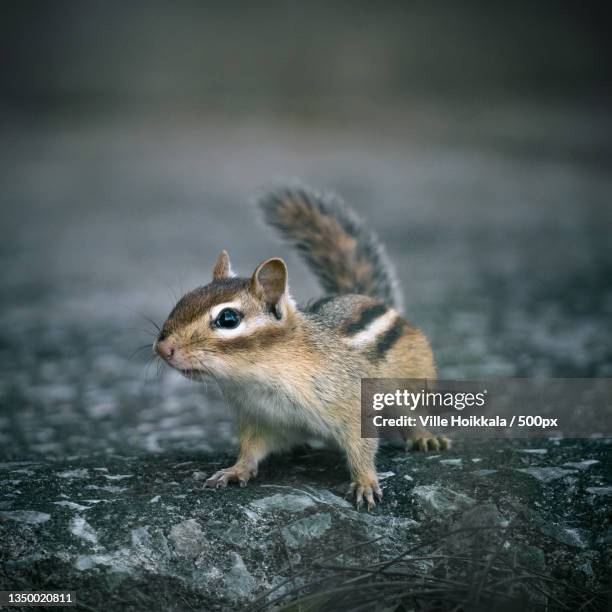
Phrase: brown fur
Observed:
(318, 231)
(342, 253)
(291, 373)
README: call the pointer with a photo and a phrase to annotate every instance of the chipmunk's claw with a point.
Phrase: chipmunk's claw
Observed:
(358, 491)
(427, 443)
(217, 481)
(220, 479)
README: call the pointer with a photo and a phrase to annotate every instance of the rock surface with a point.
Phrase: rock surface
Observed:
(218, 549)
(102, 458)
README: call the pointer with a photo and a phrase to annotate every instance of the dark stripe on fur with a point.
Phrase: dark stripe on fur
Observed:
(199, 301)
(265, 338)
(316, 306)
(366, 316)
(389, 338)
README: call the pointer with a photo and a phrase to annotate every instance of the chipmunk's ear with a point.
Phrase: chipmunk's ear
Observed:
(223, 267)
(269, 281)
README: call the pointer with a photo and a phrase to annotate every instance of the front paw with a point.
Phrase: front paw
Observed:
(368, 488)
(428, 441)
(236, 473)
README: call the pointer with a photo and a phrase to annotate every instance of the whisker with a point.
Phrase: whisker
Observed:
(139, 349)
(146, 331)
(197, 344)
(172, 292)
(144, 316)
(147, 366)
(139, 330)
(150, 320)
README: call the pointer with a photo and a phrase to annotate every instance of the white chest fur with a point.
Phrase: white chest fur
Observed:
(274, 408)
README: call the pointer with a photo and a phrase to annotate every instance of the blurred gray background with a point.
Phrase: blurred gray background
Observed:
(475, 139)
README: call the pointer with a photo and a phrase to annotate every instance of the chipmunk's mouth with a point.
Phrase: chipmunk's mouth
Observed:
(188, 372)
(182, 364)
(192, 374)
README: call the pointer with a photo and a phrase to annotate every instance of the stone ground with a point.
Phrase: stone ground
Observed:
(499, 223)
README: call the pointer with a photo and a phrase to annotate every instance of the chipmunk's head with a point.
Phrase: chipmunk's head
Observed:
(227, 327)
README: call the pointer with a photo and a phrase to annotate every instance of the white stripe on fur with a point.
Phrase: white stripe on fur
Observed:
(374, 329)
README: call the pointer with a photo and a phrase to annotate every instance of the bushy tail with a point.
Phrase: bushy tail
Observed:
(345, 256)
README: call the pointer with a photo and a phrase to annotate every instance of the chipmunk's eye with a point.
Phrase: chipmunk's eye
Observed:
(228, 318)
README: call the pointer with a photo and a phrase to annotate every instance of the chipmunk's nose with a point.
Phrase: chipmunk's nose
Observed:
(165, 348)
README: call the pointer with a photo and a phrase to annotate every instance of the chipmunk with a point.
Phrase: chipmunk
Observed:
(289, 372)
